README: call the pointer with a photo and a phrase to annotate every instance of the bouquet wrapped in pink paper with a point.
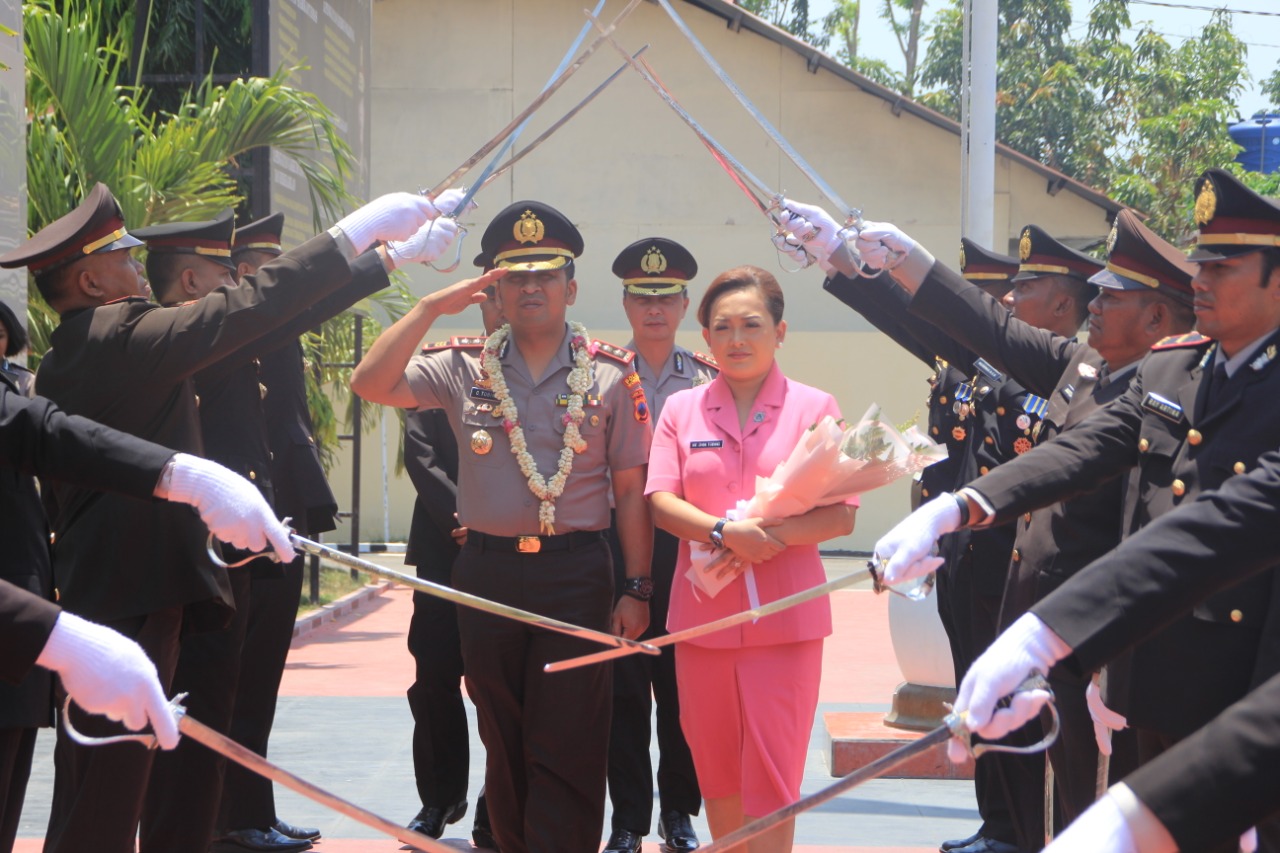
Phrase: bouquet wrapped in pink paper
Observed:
(832, 463)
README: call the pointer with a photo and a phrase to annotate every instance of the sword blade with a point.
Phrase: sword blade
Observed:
(854, 214)
(537, 102)
(721, 154)
(874, 770)
(719, 624)
(466, 599)
(561, 122)
(225, 746)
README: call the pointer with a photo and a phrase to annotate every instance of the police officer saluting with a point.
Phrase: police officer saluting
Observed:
(547, 421)
(655, 275)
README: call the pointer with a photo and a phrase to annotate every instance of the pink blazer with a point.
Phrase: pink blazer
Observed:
(700, 454)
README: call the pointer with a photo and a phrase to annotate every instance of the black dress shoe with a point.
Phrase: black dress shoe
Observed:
(482, 837)
(623, 841)
(986, 845)
(306, 833)
(677, 833)
(259, 839)
(948, 846)
(432, 820)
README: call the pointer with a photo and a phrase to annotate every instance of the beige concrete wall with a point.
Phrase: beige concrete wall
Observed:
(448, 75)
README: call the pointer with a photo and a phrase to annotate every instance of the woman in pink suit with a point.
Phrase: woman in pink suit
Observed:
(747, 694)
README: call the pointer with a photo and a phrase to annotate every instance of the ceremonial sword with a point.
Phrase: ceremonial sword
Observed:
(225, 746)
(953, 726)
(537, 102)
(869, 573)
(466, 599)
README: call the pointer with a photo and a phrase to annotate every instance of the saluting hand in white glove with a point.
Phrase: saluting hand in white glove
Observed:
(430, 242)
(107, 673)
(230, 506)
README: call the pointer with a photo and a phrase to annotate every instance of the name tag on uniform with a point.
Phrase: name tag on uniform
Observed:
(478, 393)
(988, 370)
(1166, 409)
(705, 445)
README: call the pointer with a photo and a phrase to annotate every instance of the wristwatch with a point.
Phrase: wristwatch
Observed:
(640, 589)
(717, 533)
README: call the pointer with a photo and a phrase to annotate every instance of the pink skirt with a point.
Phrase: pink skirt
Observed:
(747, 714)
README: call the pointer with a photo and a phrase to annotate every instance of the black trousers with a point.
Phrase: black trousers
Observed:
(16, 748)
(441, 756)
(640, 681)
(185, 788)
(248, 800)
(98, 790)
(546, 735)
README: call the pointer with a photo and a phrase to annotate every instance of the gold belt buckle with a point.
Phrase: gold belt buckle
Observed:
(528, 544)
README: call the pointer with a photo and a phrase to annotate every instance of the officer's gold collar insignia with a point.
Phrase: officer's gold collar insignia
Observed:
(653, 262)
(1024, 245)
(1206, 203)
(962, 260)
(529, 228)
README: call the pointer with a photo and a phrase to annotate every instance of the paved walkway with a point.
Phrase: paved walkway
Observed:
(344, 724)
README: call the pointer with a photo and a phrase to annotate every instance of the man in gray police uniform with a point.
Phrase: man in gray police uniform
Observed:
(573, 414)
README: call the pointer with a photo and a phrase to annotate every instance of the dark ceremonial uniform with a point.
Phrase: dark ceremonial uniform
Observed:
(984, 419)
(1221, 779)
(130, 364)
(441, 758)
(653, 267)
(542, 795)
(183, 796)
(26, 621)
(35, 438)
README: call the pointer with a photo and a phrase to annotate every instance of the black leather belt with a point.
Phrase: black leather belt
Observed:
(533, 544)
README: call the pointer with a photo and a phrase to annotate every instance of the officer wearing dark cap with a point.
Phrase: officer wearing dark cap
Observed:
(548, 423)
(655, 274)
(301, 493)
(129, 363)
(985, 419)
(1180, 429)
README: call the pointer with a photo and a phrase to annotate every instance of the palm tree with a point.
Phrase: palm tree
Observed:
(86, 125)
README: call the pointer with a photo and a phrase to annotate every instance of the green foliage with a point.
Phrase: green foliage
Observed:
(789, 15)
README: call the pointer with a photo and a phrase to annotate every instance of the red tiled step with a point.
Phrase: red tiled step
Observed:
(856, 739)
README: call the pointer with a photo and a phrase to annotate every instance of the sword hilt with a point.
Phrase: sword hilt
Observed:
(149, 741)
(958, 723)
(457, 257)
(918, 592)
(216, 558)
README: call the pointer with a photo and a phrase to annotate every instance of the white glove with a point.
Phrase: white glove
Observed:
(814, 230)
(882, 245)
(444, 203)
(394, 216)
(909, 545)
(430, 242)
(782, 242)
(1102, 828)
(230, 506)
(1105, 720)
(107, 673)
(1249, 840)
(1028, 646)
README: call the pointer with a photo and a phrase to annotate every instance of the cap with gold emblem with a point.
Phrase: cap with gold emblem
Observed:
(986, 268)
(1232, 218)
(1039, 254)
(210, 239)
(1138, 259)
(261, 235)
(655, 266)
(530, 235)
(96, 225)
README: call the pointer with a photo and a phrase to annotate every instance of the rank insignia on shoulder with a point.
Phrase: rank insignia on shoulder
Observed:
(625, 356)
(433, 347)
(1166, 409)
(988, 370)
(1190, 339)
(704, 358)
(1087, 371)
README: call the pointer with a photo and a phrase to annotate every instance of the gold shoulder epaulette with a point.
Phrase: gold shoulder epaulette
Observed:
(704, 358)
(617, 353)
(456, 342)
(1190, 339)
